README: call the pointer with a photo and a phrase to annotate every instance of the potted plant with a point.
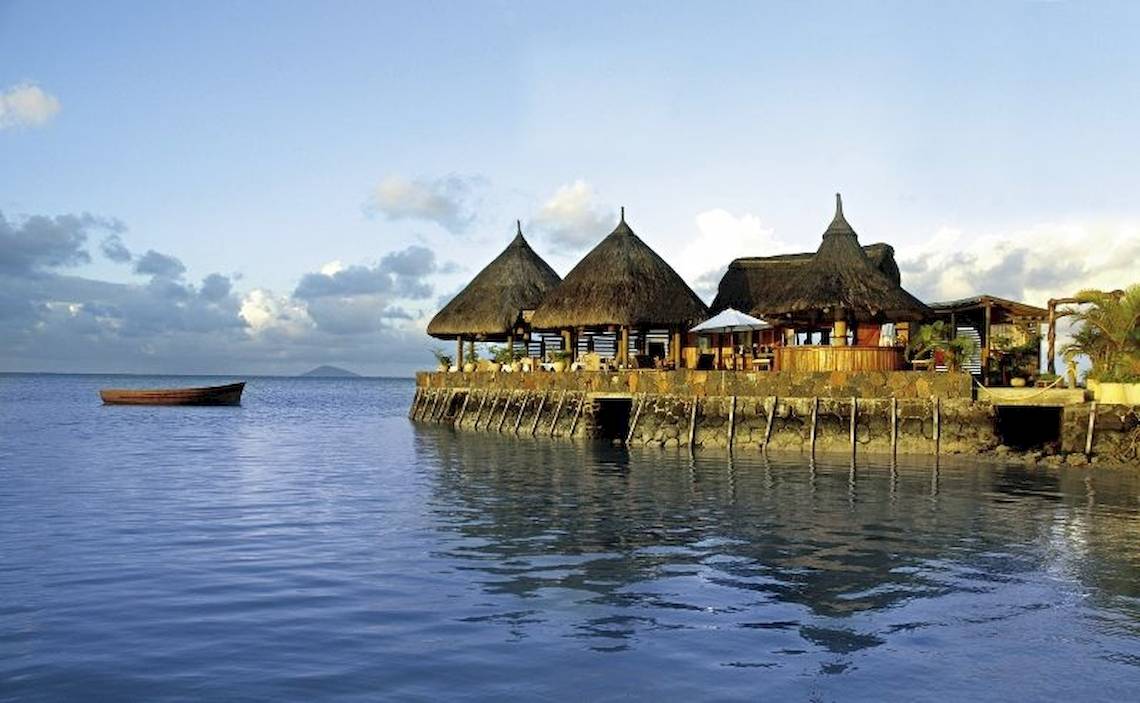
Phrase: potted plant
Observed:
(442, 360)
(934, 339)
(471, 362)
(504, 357)
(561, 359)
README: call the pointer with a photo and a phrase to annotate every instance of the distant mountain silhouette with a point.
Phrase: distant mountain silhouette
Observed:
(327, 371)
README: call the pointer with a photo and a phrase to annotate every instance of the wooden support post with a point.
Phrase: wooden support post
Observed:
(731, 421)
(937, 409)
(491, 410)
(675, 349)
(434, 402)
(538, 414)
(623, 347)
(854, 414)
(415, 403)
(462, 409)
(459, 353)
(771, 421)
(693, 422)
(577, 414)
(522, 409)
(814, 418)
(479, 411)
(894, 427)
(445, 406)
(1092, 427)
(633, 422)
(506, 407)
(557, 412)
(1051, 332)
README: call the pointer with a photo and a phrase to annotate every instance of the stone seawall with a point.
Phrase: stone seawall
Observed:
(880, 413)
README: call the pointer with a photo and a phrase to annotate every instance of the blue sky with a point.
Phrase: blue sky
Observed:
(389, 147)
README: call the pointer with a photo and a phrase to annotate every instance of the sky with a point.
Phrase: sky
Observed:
(261, 187)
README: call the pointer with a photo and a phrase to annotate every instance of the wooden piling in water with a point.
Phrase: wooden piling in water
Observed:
(557, 412)
(894, 427)
(633, 422)
(462, 409)
(444, 406)
(577, 414)
(506, 407)
(693, 422)
(1092, 427)
(415, 403)
(538, 414)
(771, 419)
(522, 410)
(479, 410)
(814, 419)
(434, 402)
(731, 422)
(937, 410)
(854, 413)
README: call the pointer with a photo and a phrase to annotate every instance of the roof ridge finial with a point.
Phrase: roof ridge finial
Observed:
(519, 223)
(623, 214)
(838, 206)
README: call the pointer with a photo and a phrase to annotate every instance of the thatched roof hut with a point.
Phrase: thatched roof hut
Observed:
(861, 282)
(620, 282)
(518, 279)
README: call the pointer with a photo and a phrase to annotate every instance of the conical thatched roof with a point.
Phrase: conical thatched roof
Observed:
(516, 280)
(752, 282)
(840, 275)
(620, 282)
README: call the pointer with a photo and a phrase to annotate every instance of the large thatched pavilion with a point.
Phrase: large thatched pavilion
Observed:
(831, 306)
(495, 305)
(620, 297)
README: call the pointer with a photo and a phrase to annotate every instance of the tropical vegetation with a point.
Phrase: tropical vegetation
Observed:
(1108, 334)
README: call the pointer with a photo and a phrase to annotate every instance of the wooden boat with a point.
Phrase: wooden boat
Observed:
(209, 395)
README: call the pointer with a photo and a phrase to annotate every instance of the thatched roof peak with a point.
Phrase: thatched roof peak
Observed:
(621, 281)
(517, 279)
(839, 223)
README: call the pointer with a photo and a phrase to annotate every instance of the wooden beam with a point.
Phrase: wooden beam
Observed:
(1092, 427)
(463, 409)
(506, 407)
(557, 412)
(814, 419)
(577, 414)
(894, 427)
(693, 422)
(415, 403)
(633, 422)
(522, 409)
(771, 421)
(479, 411)
(538, 414)
(731, 422)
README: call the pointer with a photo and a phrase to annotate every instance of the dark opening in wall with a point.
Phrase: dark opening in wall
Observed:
(1028, 427)
(611, 416)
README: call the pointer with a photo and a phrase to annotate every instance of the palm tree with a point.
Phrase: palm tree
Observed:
(1109, 333)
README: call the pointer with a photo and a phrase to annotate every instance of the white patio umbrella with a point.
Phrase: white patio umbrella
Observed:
(730, 320)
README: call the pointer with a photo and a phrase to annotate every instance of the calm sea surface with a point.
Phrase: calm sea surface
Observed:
(315, 544)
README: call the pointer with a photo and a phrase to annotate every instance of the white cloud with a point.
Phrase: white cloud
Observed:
(573, 219)
(722, 237)
(1032, 263)
(445, 201)
(26, 105)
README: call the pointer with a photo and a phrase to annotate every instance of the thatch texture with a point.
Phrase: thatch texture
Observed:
(518, 279)
(861, 281)
(620, 282)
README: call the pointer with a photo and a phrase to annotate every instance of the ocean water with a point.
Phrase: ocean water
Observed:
(315, 544)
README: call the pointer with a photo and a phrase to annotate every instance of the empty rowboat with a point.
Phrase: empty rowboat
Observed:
(209, 395)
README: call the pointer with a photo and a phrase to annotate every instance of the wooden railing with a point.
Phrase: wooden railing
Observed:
(820, 358)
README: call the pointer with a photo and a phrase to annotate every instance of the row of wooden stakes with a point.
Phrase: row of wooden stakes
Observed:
(435, 405)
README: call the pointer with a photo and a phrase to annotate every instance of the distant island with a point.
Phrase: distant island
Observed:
(327, 371)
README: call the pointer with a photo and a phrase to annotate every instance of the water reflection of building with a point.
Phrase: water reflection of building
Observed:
(659, 534)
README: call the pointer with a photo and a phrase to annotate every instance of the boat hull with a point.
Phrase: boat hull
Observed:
(209, 395)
